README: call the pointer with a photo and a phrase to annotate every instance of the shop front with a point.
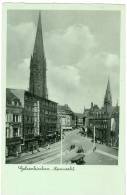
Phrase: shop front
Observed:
(13, 146)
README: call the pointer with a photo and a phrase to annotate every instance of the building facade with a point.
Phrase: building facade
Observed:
(115, 128)
(35, 119)
(14, 129)
(40, 113)
(101, 119)
(66, 118)
(40, 120)
(79, 120)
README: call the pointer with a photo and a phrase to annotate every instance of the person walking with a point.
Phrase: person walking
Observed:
(37, 148)
(32, 149)
(48, 147)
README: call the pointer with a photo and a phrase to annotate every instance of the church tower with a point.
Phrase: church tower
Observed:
(37, 82)
(108, 99)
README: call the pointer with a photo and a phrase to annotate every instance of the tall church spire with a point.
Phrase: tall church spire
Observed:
(37, 83)
(108, 98)
(38, 45)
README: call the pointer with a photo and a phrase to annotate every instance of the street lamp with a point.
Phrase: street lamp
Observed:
(94, 133)
(59, 121)
(61, 143)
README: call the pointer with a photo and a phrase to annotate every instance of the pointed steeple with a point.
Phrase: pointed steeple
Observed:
(37, 82)
(38, 45)
(108, 98)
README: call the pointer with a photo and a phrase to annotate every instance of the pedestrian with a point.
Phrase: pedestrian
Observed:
(48, 147)
(94, 148)
(32, 149)
(38, 148)
(17, 154)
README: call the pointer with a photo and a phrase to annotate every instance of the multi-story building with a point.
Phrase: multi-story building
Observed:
(14, 129)
(115, 126)
(101, 118)
(30, 120)
(66, 118)
(40, 120)
(39, 114)
(44, 110)
(79, 119)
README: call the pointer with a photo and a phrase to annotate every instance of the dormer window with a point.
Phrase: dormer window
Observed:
(13, 103)
(16, 103)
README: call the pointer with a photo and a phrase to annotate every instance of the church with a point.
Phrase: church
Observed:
(38, 115)
(101, 119)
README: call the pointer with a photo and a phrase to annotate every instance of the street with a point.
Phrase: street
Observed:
(103, 155)
(45, 156)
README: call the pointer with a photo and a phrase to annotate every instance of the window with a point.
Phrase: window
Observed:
(7, 133)
(27, 118)
(7, 117)
(13, 103)
(15, 132)
(29, 131)
(16, 103)
(15, 118)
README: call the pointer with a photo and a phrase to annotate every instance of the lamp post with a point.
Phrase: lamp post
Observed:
(61, 142)
(59, 122)
(94, 137)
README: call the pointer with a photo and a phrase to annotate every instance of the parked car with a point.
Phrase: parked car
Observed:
(75, 155)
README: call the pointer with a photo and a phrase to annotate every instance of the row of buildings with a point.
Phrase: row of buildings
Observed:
(105, 120)
(34, 120)
(67, 119)
(31, 118)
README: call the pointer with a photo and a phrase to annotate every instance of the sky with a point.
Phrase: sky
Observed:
(82, 50)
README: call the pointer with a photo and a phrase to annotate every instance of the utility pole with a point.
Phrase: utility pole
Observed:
(60, 124)
(61, 143)
(94, 145)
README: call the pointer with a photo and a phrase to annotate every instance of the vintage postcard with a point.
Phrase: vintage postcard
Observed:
(64, 91)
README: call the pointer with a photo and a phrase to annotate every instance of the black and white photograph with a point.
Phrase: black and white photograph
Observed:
(62, 87)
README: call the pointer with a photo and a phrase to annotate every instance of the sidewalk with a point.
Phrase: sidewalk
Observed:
(104, 148)
(100, 158)
(107, 154)
(103, 155)
(27, 155)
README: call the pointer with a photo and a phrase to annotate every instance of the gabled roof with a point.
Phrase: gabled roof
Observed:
(64, 109)
(80, 115)
(15, 94)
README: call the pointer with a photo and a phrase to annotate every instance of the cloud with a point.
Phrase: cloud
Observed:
(77, 68)
(94, 72)
(70, 45)
(64, 85)
(20, 40)
(112, 61)
(19, 78)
